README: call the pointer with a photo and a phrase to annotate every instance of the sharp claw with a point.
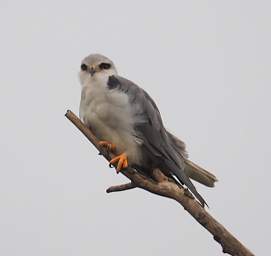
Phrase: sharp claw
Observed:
(121, 161)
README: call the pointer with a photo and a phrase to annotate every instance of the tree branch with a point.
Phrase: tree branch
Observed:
(165, 187)
(121, 187)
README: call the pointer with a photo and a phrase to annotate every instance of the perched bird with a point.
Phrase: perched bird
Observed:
(126, 120)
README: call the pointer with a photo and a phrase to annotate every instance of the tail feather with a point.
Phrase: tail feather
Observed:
(198, 174)
(192, 170)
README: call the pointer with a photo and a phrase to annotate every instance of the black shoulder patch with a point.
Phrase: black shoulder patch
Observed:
(113, 82)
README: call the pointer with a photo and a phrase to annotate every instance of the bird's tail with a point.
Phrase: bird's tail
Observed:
(198, 174)
(192, 170)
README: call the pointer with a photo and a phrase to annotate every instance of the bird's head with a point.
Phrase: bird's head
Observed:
(96, 67)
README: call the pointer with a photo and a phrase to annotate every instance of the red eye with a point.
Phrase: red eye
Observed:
(105, 65)
(84, 67)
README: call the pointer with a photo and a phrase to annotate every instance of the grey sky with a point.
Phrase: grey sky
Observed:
(206, 64)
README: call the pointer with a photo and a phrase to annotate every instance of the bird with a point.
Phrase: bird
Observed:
(127, 121)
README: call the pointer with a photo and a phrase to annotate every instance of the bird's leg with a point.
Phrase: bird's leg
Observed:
(110, 147)
(121, 162)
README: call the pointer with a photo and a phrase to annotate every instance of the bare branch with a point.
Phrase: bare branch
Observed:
(165, 187)
(121, 187)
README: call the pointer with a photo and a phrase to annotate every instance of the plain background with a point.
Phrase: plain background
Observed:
(206, 64)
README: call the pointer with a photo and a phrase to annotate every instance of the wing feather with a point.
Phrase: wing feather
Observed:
(149, 128)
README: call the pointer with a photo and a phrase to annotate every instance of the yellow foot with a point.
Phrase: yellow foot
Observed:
(121, 160)
(107, 145)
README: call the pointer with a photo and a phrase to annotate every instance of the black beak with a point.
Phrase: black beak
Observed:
(92, 71)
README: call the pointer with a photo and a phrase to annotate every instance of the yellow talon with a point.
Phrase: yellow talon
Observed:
(121, 160)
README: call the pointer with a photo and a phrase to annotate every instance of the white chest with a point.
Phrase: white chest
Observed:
(108, 113)
(110, 107)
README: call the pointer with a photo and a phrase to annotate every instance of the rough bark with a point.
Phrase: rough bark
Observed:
(165, 187)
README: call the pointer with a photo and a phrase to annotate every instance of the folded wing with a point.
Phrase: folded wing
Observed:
(149, 128)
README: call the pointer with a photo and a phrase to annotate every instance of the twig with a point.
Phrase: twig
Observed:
(165, 187)
(121, 187)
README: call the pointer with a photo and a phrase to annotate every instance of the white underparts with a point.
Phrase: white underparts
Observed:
(109, 114)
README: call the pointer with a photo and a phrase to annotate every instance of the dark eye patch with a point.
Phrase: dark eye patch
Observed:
(105, 65)
(84, 67)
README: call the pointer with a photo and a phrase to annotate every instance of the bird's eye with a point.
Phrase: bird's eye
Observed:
(105, 65)
(84, 67)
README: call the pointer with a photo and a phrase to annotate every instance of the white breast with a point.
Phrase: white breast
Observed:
(109, 114)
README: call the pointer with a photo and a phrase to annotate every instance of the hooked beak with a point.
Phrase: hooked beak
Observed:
(92, 71)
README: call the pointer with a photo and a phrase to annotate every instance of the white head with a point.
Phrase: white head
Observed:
(95, 68)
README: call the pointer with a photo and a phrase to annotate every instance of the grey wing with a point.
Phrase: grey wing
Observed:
(149, 128)
(148, 122)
